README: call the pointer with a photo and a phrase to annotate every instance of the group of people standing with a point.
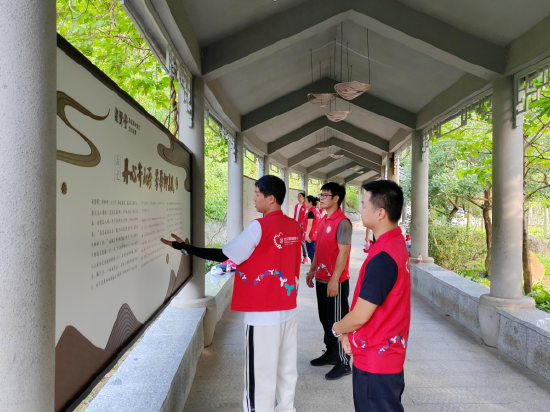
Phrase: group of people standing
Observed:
(308, 212)
(269, 253)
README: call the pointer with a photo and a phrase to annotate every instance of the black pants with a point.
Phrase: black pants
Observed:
(304, 251)
(332, 310)
(377, 392)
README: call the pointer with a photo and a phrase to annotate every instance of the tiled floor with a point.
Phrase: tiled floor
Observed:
(447, 367)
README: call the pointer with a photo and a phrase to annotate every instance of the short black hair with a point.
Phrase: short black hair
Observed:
(387, 195)
(336, 190)
(312, 200)
(302, 193)
(271, 185)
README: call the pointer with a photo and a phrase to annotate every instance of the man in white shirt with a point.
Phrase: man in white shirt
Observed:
(267, 255)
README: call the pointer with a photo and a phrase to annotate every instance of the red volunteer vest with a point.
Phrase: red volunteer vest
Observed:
(268, 280)
(380, 345)
(299, 211)
(314, 224)
(326, 247)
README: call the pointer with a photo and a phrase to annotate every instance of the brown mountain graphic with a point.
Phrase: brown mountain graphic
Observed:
(78, 361)
(170, 285)
(184, 271)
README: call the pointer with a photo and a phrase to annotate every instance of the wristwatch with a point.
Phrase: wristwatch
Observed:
(334, 332)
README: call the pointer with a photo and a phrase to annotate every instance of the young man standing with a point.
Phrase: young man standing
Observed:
(311, 223)
(376, 330)
(299, 212)
(330, 266)
(267, 255)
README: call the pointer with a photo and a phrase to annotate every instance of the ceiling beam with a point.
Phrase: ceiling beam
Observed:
(389, 18)
(342, 144)
(361, 161)
(352, 177)
(398, 139)
(300, 157)
(342, 169)
(321, 164)
(319, 123)
(298, 98)
(463, 89)
(529, 48)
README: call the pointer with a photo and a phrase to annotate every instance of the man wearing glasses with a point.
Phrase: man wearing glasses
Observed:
(330, 266)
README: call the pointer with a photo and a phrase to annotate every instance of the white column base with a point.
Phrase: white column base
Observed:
(210, 317)
(489, 319)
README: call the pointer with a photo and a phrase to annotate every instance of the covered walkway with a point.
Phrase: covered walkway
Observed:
(448, 368)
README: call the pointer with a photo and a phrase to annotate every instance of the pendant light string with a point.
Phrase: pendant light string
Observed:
(334, 58)
(347, 60)
(311, 51)
(368, 53)
(341, 48)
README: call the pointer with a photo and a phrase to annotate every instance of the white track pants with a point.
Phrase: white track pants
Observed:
(270, 372)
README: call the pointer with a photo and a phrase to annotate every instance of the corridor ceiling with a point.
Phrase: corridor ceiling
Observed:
(426, 57)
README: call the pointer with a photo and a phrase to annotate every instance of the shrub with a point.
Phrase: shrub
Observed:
(541, 296)
(454, 247)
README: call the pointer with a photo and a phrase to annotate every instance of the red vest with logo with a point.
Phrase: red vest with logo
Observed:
(299, 210)
(314, 225)
(268, 280)
(326, 248)
(380, 345)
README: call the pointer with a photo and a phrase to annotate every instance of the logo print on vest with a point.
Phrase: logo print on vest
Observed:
(278, 240)
(329, 229)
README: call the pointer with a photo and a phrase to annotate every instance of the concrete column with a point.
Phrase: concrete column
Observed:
(193, 294)
(391, 172)
(235, 189)
(506, 257)
(306, 185)
(419, 199)
(284, 207)
(396, 163)
(343, 207)
(28, 204)
(193, 137)
(265, 172)
(383, 170)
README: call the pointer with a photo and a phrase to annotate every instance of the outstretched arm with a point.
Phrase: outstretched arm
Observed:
(215, 255)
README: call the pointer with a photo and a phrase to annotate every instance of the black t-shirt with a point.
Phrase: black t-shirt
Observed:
(379, 279)
(311, 215)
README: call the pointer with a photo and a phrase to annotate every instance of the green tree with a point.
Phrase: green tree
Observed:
(102, 31)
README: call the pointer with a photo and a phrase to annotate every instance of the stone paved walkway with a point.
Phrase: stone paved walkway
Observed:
(447, 367)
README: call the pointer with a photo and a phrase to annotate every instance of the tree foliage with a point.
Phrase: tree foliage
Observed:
(101, 30)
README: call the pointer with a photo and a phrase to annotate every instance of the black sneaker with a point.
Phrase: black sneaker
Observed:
(338, 371)
(325, 359)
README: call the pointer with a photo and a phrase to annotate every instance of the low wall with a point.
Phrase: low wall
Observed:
(524, 333)
(158, 373)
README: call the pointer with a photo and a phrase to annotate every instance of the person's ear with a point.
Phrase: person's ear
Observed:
(381, 214)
